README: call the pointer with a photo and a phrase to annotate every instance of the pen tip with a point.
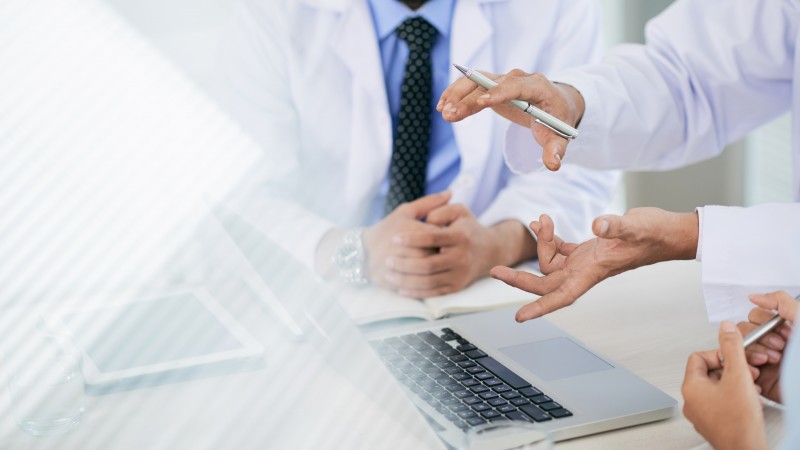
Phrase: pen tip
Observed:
(462, 69)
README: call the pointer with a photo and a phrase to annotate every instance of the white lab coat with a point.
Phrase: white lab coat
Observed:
(710, 72)
(310, 89)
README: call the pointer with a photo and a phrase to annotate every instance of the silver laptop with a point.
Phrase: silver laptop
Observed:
(473, 369)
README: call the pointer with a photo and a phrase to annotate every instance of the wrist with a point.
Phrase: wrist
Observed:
(323, 262)
(681, 235)
(511, 243)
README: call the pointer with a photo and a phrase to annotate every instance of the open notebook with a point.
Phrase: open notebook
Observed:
(372, 304)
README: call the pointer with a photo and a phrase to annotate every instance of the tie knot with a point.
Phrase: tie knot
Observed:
(418, 33)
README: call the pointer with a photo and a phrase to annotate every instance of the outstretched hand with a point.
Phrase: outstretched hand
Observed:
(641, 237)
(464, 98)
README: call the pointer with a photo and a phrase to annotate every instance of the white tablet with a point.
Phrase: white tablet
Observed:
(139, 341)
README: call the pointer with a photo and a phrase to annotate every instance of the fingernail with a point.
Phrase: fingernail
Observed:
(485, 97)
(449, 108)
(773, 355)
(728, 327)
(439, 105)
(775, 341)
(760, 358)
(603, 227)
(558, 157)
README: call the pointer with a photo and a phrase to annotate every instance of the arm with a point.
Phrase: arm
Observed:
(641, 237)
(707, 75)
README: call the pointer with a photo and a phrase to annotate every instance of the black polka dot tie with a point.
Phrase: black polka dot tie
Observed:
(411, 138)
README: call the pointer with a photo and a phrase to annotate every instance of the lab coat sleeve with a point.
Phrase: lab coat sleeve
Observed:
(748, 251)
(256, 92)
(708, 74)
(574, 196)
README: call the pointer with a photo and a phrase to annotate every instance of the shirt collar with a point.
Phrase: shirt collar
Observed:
(389, 14)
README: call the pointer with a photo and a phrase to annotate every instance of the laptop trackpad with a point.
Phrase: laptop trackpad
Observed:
(554, 359)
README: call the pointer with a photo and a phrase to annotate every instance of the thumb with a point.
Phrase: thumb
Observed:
(609, 226)
(554, 148)
(732, 349)
(422, 206)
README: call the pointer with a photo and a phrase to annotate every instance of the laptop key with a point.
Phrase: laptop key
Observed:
(519, 401)
(549, 406)
(458, 358)
(535, 413)
(475, 354)
(539, 399)
(487, 395)
(463, 393)
(506, 408)
(496, 401)
(467, 364)
(475, 421)
(518, 416)
(467, 414)
(471, 400)
(450, 352)
(530, 391)
(501, 389)
(466, 347)
(490, 414)
(458, 407)
(492, 382)
(559, 413)
(449, 337)
(451, 401)
(455, 387)
(469, 382)
(480, 407)
(479, 389)
(429, 337)
(503, 372)
(462, 376)
(476, 369)
(483, 375)
(510, 394)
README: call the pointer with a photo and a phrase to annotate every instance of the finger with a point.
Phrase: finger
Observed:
(756, 357)
(697, 367)
(566, 294)
(420, 207)
(517, 84)
(447, 214)
(780, 301)
(431, 238)
(457, 91)
(436, 263)
(732, 349)
(554, 147)
(527, 281)
(759, 315)
(548, 246)
(609, 227)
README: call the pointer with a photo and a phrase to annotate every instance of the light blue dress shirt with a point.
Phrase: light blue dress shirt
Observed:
(444, 159)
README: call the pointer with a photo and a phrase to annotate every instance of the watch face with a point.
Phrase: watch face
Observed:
(347, 257)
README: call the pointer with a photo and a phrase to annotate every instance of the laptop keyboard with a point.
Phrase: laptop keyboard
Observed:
(462, 382)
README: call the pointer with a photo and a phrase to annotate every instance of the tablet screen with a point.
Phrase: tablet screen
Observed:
(145, 333)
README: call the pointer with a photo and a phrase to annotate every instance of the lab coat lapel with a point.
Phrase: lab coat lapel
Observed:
(471, 44)
(355, 44)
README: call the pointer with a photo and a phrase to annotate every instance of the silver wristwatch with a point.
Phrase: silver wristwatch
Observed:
(350, 259)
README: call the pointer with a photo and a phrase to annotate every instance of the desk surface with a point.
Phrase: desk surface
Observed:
(648, 320)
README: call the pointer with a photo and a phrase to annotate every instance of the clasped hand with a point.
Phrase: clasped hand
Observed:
(442, 254)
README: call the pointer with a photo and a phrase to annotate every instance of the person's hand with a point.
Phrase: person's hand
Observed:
(464, 98)
(641, 237)
(766, 354)
(722, 403)
(466, 252)
(381, 245)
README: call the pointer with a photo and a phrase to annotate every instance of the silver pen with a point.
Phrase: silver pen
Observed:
(551, 122)
(753, 336)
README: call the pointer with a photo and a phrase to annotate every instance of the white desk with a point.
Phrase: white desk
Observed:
(649, 320)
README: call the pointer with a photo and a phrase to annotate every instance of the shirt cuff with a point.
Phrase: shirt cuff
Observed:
(699, 255)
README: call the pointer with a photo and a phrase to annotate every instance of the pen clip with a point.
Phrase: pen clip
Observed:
(564, 135)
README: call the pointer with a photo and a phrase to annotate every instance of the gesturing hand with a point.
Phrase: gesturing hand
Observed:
(464, 98)
(641, 237)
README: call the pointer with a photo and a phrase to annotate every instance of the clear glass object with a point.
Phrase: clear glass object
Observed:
(508, 435)
(45, 384)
